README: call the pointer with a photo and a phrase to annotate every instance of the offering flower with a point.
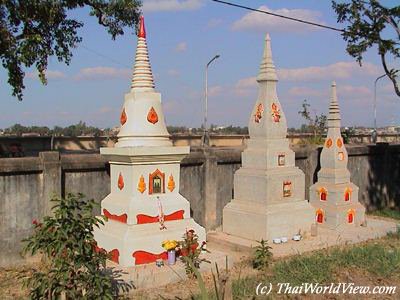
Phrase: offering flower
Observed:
(169, 244)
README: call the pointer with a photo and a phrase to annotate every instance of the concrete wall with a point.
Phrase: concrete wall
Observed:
(26, 184)
(32, 145)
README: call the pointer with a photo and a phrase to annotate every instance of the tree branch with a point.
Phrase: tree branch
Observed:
(392, 75)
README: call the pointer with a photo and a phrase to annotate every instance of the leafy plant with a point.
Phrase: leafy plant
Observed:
(262, 255)
(72, 266)
(368, 25)
(31, 31)
(190, 251)
(316, 124)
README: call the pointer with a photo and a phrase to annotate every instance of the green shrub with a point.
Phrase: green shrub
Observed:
(262, 255)
(72, 268)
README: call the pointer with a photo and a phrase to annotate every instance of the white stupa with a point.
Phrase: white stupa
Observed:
(269, 189)
(333, 196)
(144, 207)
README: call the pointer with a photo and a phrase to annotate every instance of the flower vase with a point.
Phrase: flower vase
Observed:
(171, 257)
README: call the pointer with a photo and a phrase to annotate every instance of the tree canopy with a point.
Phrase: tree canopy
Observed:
(371, 24)
(31, 31)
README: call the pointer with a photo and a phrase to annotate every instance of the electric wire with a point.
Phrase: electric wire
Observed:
(278, 15)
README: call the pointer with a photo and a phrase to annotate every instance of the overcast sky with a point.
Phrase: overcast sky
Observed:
(182, 36)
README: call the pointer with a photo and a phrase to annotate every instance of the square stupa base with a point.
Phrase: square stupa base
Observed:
(255, 222)
(152, 276)
(336, 216)
(140, 244)
(376, 228)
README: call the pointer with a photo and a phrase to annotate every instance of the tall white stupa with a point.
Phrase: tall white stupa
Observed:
(333, 196)
(268, 189)
(144, 207)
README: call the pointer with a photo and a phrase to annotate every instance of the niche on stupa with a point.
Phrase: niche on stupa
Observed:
(287, 188)
(323, 194)
(340, 156)
(156, 182)
(350, 216)
(347, 194)
(281, 159)
(319, 216)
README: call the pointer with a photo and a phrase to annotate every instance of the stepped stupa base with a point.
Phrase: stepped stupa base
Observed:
(132, 245)
(255, 222)
(337, 217)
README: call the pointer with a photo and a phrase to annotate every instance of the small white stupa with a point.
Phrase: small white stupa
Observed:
(269, 189)
(144, 207)
(333, 196)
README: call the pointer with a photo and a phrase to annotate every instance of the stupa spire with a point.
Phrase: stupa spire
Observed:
(334, 111)
(267, 67)
(142, 74)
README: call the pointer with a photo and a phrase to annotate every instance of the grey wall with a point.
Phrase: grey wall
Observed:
(26, 184)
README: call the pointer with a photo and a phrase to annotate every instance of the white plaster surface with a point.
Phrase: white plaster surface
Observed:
(260, 208)
(334, 178)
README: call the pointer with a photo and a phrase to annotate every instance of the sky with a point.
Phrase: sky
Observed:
(182, 36)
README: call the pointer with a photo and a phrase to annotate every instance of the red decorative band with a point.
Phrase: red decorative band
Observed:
(113, 254)
(145, 219)
(143, 257)
(121, 218)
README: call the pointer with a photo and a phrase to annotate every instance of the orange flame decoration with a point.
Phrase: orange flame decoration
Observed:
(276, 113)
(259, 112)
(152, 116)
(123, 117)
(171, 183)
(339, 142)
(120, 181)
(141, 185)
(329, 143)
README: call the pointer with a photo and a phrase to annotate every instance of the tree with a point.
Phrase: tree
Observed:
(73, 266)
(368, 21)
(31, 31)
(316, 124)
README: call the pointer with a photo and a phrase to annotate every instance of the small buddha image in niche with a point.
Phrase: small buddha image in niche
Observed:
(287, 188)
(281, 159)
(276, 113)
(340, 156)
(156, 182)
(259, 113)
(156, 185)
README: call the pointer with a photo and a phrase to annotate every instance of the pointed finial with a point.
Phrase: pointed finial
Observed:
(334, 111)
(267, 68)
(142, 74)
(333, 93)
(142, 29)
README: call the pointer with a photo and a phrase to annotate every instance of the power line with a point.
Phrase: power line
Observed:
(280, 16)
(104, 56)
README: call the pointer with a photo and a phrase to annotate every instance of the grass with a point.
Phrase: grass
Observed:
(387, 213)
(375, 262)
(376, 259)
